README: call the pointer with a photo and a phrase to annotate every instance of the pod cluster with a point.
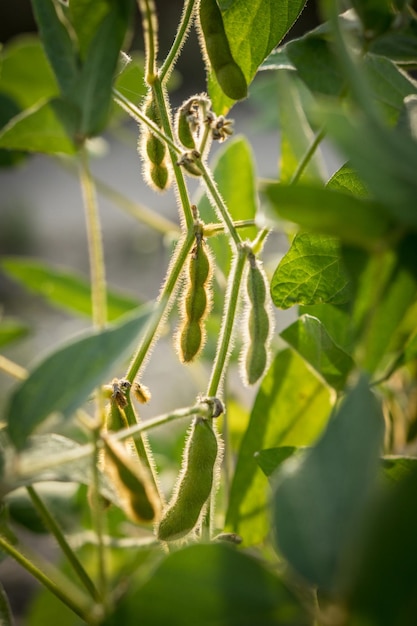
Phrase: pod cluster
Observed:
(153, 151)
(196, 302)
(194, 484)
(258, 324)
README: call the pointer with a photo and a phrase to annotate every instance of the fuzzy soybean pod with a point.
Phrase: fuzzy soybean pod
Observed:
(194, 484)
(131, 481)
(196, 303)
(258, 324)
(228, 73)
(153, 151)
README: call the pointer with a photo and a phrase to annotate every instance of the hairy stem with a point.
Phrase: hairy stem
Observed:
(150, 30)
(318, 138)
(183, 27)
(54, 528)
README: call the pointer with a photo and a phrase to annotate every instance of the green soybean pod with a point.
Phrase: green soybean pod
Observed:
(196, 303)
(194, 485)
(228, 73)
(153, 151)
(131, 481)
(258, 324)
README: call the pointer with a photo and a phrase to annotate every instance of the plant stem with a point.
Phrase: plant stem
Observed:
(164, 304)
(150, 27)
(95, 244)
(55, 529)
(183, 27)
(13, 369)
(318, 138)
(98, 519)
(219, 204)
(55, 581)
(226, 331)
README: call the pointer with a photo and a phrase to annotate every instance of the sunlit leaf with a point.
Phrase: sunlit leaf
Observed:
(65, 379)
(290, 409)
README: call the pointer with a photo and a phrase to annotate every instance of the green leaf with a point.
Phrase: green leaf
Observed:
(86, 17)
(296, 134)
(58, 45)
(228, 587)
(397, 468)
(399, 45)
(311, 272)
(253, 30)
(22, 60)
(47, 127)
(310, 339)
(6, 618)
(384, 287)
(8, 110)
(385, 160)
(94, 90)
(355, 220)
(347, 180)
(384, 581)
(376, 15)
(336, 320)
(290, 409)
(65, 379)
(321, 500)
(241, 199)
(271, 458)
(10, 330)
(62, 288)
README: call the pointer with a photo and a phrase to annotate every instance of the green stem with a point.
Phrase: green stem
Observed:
(55, 582)
(200, 408)
(165, 301)
(98, 519)
(95, 244)
(183, 27)
(150, 28)
(318, 138)
(226, 331)
(54, 528)
(219, 204)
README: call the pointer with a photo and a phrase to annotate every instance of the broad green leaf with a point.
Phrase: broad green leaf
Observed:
(295, 132)
(310, 339)
(58, 44)
(336, 320)
(386, 161)
(291, 408)
(8, 110)
(47, 127)
(85, 18)
(253, 30)
(376, 15)
(62, 288)
(241, 199)
(94, 90)
(26, 75)
(315, 64)
(311, 272)
(384, 581)
(11, 329)
(399, 44)
(271, 458)
(384, 287)
(348, 181)
(65, 378)
(355, 220)
(397, 468)
(228, 587)
(6, 618)
(321, 500)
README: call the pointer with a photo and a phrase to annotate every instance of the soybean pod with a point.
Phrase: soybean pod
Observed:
(196, 302)
(194, 484)
(228, 73)
(153, 151)
(258, 324)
